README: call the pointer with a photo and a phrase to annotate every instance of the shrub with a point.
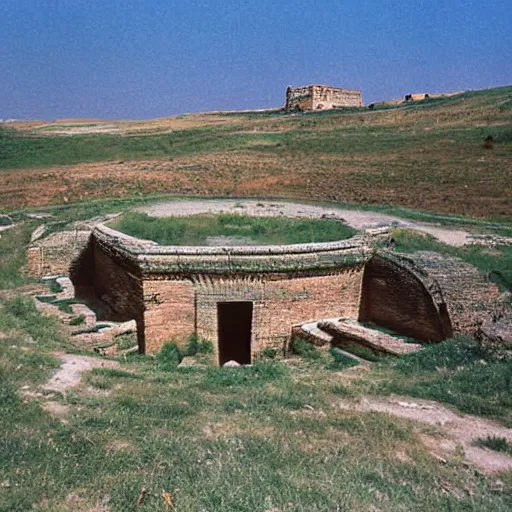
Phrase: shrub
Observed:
(205, 346)
(305, 349)
(78, 320)
(55, 287)
(169, 356)
(197, 345)
(268, 353)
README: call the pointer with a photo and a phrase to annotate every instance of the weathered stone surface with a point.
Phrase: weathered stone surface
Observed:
(400, 296)
(345, 332)
(53, 255)
(88, 315)
(497, 332)
(231, 364)
(471, 299)
(321, 97)
(172, 292)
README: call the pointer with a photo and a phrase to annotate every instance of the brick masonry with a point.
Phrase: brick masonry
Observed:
(53, 255)
(173, 292)
(396, 298)
(278, 304)
(321, 97)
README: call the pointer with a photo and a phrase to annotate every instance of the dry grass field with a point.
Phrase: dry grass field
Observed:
(429, 155)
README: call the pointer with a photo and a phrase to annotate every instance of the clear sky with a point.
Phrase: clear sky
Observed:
(133, 59)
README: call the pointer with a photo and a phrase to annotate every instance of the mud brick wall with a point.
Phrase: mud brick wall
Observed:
(470, 297)
(213, 289)
(118, 286)
(169, 314)
(395, 298)
(293, 301)
(54, 254)
(278, 304)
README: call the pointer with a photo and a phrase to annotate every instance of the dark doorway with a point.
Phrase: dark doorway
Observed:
(235, 321)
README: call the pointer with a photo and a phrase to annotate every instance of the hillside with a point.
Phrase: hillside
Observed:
(427, 155)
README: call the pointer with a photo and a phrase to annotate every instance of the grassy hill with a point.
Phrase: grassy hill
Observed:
(428, 155)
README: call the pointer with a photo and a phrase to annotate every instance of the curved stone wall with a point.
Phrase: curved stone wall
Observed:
(173, 291)
(396, 297)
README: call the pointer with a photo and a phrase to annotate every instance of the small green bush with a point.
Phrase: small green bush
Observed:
(169, 356)
(305, 349)
(268, 353)
(205, 346)
(197, 345)
(78, 320)
(55, 287)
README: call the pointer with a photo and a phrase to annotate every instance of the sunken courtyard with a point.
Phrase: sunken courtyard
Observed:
(249, 298)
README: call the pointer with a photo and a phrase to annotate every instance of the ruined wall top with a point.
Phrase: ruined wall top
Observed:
(321, 97)
(153, 258)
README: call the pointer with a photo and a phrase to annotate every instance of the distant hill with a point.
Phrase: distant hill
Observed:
(427, 154)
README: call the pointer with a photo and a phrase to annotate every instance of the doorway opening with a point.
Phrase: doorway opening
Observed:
(234, 331)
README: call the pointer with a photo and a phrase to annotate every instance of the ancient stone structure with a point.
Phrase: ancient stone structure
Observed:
(321, 97)
(245, 299)
(53, 255)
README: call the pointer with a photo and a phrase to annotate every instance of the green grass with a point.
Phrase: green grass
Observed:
(242, 439)
(498, 444)
(304, 134)
(13, 245)
(459, 372)
(245, 439)
(195, 230)
(19, 151)
(77, 320)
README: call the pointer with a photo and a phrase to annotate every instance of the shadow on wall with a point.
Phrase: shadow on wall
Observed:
(394, 298)
(112, 287)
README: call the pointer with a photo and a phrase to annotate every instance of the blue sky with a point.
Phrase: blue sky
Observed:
(134, 59)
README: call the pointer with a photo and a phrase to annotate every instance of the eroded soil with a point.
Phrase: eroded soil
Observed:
(73, 366)
(460, 430)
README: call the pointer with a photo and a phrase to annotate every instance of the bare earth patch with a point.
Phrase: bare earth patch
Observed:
(56, 410)
(462, 430)
(69, 374)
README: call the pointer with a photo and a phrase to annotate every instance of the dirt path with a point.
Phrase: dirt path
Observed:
(69, 374)
(357, 219)
(461, 430)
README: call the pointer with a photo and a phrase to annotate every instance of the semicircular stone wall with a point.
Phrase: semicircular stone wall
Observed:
(173, 292)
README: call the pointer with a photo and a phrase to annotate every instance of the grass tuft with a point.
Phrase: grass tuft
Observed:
(498, 444)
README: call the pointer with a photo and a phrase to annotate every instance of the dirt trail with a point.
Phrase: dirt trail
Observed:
(461, 430)
(357, 219)
(69, 374)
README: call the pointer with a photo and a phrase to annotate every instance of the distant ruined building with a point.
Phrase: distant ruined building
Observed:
(321, 97)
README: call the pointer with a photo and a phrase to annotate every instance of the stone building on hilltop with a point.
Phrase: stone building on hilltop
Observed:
(321, 97)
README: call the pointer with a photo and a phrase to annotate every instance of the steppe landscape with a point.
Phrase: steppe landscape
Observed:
(90, 423)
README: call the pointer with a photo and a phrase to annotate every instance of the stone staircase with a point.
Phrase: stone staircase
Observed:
(346, 333)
